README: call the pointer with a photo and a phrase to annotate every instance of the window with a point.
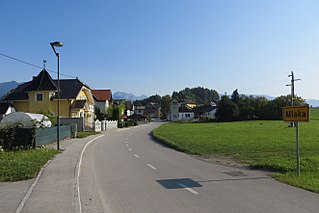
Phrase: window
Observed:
(39, 97)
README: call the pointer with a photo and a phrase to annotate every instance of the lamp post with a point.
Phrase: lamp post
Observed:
(53, 45)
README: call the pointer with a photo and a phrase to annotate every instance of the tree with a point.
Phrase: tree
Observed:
(259, 107)
(165, 105)
(235, 96)
(198, 95)
(274, 109)
(245, 107)
(227, 110)
(154, 99)
(99, 115)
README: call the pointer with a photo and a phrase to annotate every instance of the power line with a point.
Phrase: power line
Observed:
(33, 65)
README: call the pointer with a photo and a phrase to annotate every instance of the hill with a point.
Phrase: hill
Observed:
(6, 87)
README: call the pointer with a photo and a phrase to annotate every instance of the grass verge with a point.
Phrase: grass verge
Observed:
(260, 144)
(86, 134)
(23, 164)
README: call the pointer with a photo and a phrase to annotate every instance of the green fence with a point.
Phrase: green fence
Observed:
(49, 135)
(24, 136)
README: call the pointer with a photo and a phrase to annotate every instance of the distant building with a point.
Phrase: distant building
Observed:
(103, 99)
(139, 110)
(206, 111)
(185, 113)
(153, 110)
(181, 111)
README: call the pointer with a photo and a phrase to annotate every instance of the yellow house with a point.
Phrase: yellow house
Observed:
(40, 96)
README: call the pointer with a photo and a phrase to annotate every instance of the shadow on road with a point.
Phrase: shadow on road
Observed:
(178, 183)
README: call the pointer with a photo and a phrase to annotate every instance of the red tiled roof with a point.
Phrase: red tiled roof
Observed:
(102, 94)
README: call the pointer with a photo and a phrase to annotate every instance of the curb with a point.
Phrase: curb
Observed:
(27, 195)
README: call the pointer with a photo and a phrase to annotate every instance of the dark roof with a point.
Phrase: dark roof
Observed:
(152, 106)
(137, 116)
(4, 105)
(205, 108)
(42, 82)
(18, 93)
(78, 104)
(70, 88)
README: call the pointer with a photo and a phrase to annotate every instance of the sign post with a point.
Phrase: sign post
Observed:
(296, 114)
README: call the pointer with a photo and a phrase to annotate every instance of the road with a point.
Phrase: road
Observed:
(127, 171)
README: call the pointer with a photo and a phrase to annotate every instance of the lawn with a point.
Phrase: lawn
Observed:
(86, 134)
(260, 144)
(23, 164)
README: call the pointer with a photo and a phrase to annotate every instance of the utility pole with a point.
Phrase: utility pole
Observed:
(292, 85)
(295, 124)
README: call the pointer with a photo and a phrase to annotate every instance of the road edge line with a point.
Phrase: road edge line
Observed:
(30, 190)
(77, 190)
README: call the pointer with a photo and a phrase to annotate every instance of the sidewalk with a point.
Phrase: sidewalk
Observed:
(55, 190)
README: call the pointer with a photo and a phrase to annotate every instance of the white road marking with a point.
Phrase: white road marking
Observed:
(126, 144)
(151, 166)
(188, 189)
(130, 149)
(79, 170)
(136, 156)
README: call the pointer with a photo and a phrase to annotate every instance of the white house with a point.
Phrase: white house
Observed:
(210, 112)
(103, 99)
(179, 111)
(185, 113)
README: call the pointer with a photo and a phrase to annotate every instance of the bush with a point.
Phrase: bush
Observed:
(130, 123)
(13, 136)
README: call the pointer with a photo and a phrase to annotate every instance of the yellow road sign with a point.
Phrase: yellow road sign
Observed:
(295, 113)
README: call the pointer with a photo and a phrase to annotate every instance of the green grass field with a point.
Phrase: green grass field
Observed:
(260, 144)
(23, 164)
(86, 134)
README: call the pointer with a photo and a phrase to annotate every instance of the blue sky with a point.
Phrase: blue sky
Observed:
(160, 46)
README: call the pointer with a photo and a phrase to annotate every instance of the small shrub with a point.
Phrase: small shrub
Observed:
(13, 136)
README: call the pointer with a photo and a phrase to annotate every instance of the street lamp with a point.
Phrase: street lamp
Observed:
(53, 45)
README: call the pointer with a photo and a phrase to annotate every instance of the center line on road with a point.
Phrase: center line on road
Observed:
(188, 189)
(151, 166)
(136, 156)
(126, 144)
(129, 149)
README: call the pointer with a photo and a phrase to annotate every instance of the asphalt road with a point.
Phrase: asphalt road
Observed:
(127, 171)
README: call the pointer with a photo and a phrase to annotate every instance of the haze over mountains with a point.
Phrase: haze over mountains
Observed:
(5, 87)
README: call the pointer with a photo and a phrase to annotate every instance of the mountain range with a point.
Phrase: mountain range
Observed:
(128, 96)
(5, 87)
